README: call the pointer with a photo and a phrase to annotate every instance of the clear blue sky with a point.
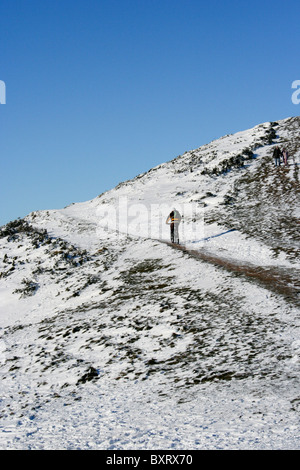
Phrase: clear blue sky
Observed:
(98, 91)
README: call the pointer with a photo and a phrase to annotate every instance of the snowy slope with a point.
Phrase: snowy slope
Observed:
(111, 338)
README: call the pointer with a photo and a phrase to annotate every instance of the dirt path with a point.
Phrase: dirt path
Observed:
(283, 281)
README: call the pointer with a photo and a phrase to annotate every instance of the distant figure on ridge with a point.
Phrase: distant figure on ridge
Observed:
(277, 155)
(285, 156)
(174, 220)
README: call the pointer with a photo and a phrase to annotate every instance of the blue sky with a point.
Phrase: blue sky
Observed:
(98, 91)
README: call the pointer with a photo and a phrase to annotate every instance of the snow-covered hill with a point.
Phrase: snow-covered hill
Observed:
(112, 338)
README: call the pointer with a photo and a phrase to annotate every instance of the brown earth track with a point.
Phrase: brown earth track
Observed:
(283, 281)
